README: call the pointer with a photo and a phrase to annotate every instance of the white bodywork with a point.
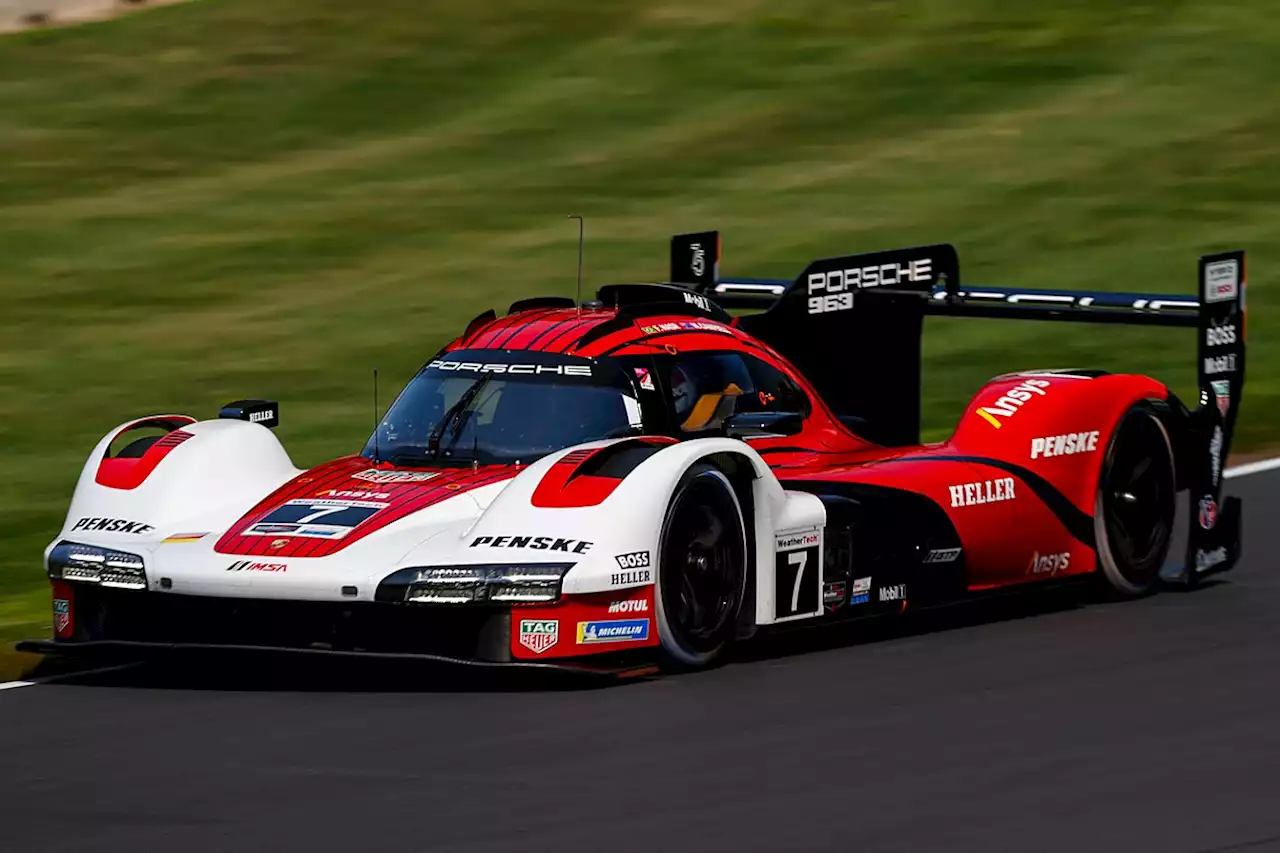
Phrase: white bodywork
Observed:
(209, 482)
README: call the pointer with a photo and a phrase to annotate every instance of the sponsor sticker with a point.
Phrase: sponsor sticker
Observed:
(633, 560)
(797, 571)
(985, 492)
(1010, 402)
(1214, 365)
(942, 555)
(538, 635)
(1215, 454)
(700, 301)
(636, 605)
(644, 378)
(62, 616)
(112, 525)
(613, 631)
(1048, 564)
(1206, 560)
(536, 543)
(254, 566)
(631, 578)
(373, 475)
(896, 592)
(1064, 445)
(833, 595)
(1221, 281)
(1208, 512)
(315, 518)
(1222, 390)
(798, 540)
(355, 495)
(1219, 335)
(184, 537)
(833, 291)
(513, 369)
(860, 592)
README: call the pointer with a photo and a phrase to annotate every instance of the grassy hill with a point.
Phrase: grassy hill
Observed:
(270, 197)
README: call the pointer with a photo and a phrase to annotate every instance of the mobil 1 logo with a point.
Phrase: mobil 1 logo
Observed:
(797, 575)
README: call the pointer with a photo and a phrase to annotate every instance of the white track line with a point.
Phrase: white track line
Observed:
(1238, 471)
(11, 685)
(1253, 468)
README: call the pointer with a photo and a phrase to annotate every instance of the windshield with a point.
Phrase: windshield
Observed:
(469, 407)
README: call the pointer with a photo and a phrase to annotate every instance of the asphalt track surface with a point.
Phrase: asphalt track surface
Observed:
(1042, 725)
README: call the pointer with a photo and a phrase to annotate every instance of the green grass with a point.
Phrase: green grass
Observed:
(270, 197)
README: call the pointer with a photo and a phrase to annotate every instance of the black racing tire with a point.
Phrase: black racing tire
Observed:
(1135, 505)
(701, 572)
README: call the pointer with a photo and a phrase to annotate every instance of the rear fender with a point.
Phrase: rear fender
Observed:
(1056, 425)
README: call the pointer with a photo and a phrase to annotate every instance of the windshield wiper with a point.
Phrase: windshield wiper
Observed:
(433, 440)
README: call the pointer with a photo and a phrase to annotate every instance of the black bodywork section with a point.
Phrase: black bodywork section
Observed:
(887, 535)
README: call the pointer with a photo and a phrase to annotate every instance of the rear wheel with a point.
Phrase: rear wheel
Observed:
(702, 563)
(1133, 516)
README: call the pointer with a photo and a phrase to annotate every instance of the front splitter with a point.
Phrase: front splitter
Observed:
(138, 650)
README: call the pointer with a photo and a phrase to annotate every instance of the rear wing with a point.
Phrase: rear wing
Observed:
(853, 324)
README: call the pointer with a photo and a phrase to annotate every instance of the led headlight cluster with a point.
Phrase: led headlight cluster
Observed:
(71, 561)
(503, 584)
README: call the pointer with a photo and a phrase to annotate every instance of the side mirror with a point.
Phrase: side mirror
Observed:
(746, 425)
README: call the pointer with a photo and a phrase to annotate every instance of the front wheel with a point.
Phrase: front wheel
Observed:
(1135, 505)
(702, 575)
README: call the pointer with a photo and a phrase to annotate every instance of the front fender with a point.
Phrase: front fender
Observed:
(200, 477)
(613, 538)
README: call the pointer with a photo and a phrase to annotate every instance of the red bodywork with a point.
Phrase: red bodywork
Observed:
(1015, 444)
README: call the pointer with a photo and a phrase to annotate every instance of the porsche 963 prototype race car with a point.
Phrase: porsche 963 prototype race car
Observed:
(644, 478)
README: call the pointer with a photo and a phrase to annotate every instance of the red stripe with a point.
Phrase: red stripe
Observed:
(405, 499)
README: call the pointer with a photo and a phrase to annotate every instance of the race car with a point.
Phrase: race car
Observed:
(643, 479)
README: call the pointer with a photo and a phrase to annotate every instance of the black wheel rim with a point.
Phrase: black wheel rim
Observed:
(1138, 499)
(702, 564)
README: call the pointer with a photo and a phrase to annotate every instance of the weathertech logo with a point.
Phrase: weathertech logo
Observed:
(986, 492)
(1007, 405)
(1064, 445)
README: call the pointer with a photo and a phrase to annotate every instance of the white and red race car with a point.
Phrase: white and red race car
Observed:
(644, 477)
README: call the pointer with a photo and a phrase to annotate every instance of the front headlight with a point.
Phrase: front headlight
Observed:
(475, 584)
(72, 561)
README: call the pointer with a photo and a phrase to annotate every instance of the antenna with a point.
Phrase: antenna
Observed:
(581, 228)
(376, 454)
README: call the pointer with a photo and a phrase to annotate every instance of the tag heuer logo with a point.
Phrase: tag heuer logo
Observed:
(538, 635)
